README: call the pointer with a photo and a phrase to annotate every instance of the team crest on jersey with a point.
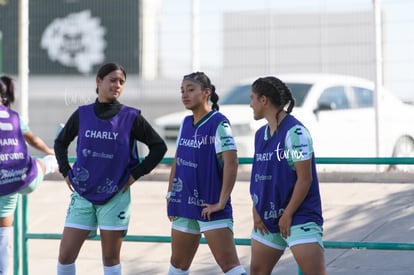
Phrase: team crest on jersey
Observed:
(177, 185)
(82, 175)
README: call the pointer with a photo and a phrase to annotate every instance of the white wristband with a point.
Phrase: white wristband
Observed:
(168, 196)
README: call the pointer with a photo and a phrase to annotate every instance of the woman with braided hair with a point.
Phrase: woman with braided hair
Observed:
(284, 187)
(202, 178)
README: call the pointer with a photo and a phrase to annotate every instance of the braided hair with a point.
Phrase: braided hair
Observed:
(276, 91)
(205, 83)
(6, 90)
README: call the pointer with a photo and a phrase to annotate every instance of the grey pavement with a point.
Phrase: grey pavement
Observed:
(360, 208)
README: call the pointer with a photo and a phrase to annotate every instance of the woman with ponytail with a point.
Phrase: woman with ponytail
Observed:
(284, 186)
(106, 167)
(19, 172)
(202, 178)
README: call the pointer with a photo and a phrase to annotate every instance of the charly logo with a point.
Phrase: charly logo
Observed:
(86, 152)
(76, 40)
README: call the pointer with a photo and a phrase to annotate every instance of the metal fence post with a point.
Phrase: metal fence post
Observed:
(1, 52)
(16, 237)
(24, 244)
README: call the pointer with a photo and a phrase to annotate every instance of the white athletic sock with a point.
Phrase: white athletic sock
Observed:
(176, 271)
(66, 269)
(4, 249)
(237, 270)
(112, 270)
(50, 163)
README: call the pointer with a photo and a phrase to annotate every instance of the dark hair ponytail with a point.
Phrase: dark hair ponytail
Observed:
(7, 90)
(214, 98)
(276, 90)
(205, 83)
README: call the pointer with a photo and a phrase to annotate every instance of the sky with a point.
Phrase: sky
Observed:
(175, 25)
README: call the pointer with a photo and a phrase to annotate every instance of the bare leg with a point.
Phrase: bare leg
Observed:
(310, 258)
(6, 221)
(264, 258)
(71, 243)
(111, 247)
(222, 246)
(183, 248)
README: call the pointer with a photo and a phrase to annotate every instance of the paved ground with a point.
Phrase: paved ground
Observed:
(361, 211)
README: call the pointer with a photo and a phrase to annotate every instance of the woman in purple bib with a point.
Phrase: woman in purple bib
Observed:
(284, 187)
(202, 178)
(19, 172)
(107, 164)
